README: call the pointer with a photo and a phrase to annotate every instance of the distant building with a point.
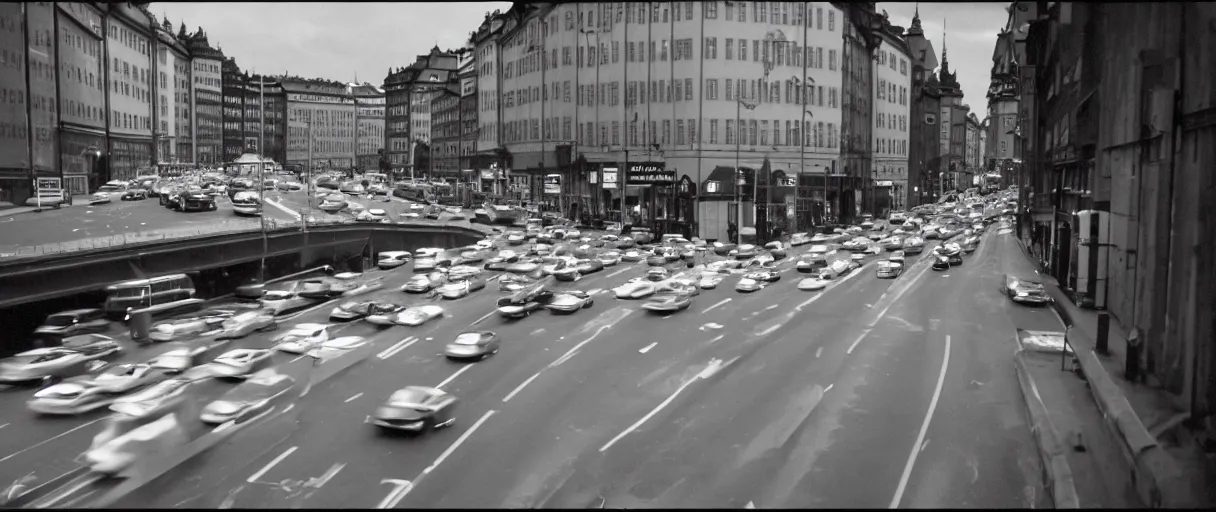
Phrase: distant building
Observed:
(207, 99)
(972, 158)
(445, 133)
(320, 115)
(369, 112)
(129, 71)
(82, 95)
(407, 93)
(183, 106)
(892, 108)
(952, 126)
(923, 144)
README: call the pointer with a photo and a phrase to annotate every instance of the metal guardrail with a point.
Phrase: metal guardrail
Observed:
(140, 238)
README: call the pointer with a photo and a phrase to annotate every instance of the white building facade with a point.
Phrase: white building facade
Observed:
(689, 87)
(892, 108)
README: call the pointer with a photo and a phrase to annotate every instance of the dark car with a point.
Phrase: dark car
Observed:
(955, 259)
(473, 345)
(524, 302)
(941, 262)
(260, 394)
(135, 194)
(415, 409)
(1024, 291)
(72, 323)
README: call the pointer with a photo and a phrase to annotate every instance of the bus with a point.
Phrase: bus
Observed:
(418, 192)
(159, 295)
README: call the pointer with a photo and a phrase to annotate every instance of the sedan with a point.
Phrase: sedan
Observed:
(776, 249)
(514, 282)
(244, 324)
(806, 265)
(745, 251)
(55, 362)
(415, 409)
(301, 338)
(897, 256)
(236, 364)
(889, 269)
(723, 248)
(1025, 291)
(349, 311)
(748, 284)
(941, 262)
(632, 256)
(424, 283)
(914, 245)
(392, 259)
(569, 273)
(669, 298)
(589, 266)
(414, 316)
(135, 194)
(893, 243)
(524, 266)
(657, 274)
(374, 215)
(185, 327)
(609, 259)
(251, 400)
(636, 288)
(472, 345)
(812, 284)
(332, 203)
(455, 289)
(122, 378)
(501, 261)
(69, 398)
(516, 238)
(73, 322)
(709, 280)
(955, 259)
(569, 301)
(767, 276)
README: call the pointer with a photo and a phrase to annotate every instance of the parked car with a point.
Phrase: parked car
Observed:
(1024, 291)
(392, 259)
(73, 322)
(889, 269)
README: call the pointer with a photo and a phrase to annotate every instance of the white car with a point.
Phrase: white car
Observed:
(799, 239)
(819, 254)
(485, 244)
(610, 258)
(372, 215)
(392, 259)
(418, 315)
(636, 288)
(301, 338)
(427, 252)
(239, 363)
(709, 280)
(812, 284)
(106, 193)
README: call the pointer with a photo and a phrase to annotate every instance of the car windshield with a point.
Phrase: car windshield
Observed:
(412, 398)
(468, 338)
(60, 320)
(108, 188)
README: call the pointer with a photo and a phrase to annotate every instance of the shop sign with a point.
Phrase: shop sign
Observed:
(650, 174)
(49, 184)
(884, 183)
(553, 184)
(487, 175)
(610, 177)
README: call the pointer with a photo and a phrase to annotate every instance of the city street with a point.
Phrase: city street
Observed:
(871, 393)
(85, 227)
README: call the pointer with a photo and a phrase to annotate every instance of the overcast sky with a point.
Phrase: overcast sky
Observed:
(341, 40)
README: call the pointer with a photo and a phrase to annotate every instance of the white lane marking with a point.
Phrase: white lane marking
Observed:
(716, 304)
(271, 465)
(768, 330)
(720, 336)
(570, 353)
(398, 347)
(595, 291)
(807, 302)
(710, 326)
(459, 441)
(647, 348)
(329, 474)
(14, 454)
(521, 387)
(479, 320)
(858, 341)
(4, 425)
(302, 356)
(713, 367)
(829, 388)
(924, 427)
(400, 488)
(818, 352)
(289, 211)
(453, 376)
(619, 272)
(353, 398)
(774, 306)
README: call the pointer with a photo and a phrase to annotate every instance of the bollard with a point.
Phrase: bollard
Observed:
(140, 324)
(1101, 344)
(1131, 370)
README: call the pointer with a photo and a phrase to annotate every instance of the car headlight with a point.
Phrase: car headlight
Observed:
(1022, 294)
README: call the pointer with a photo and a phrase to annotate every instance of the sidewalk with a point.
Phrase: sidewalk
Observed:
(1164, 464)
(13, 209)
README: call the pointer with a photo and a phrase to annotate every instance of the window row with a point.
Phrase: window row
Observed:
(892, 93)
(891, 147)
(130, 121)
(891, 121)
(749, 132)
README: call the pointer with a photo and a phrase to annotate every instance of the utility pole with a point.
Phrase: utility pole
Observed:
(262, 174)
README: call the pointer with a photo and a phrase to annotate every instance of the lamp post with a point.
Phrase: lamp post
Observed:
(740, 182)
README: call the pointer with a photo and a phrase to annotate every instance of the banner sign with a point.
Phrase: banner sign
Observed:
(654, 173)
(553, 184)
(610, 177)
(49, 184)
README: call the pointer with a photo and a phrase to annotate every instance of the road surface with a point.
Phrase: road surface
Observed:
(871, 393)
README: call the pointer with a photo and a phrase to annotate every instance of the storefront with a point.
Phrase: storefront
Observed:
(649, 194)
(80, 148)
(128, 158)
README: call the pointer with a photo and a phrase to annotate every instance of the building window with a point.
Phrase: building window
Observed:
(730, 131)
(831, 21)
(730, 49)
(711, 10)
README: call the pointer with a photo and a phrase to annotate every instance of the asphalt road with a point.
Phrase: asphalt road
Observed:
(869, 394)
(115, 223)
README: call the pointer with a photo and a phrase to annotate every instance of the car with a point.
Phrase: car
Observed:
(747, 284)
(501, 261)
(257, 396)
(106, 193)
(632, 256)
(806, 265)
(892, 243)
(416, 409)
(193, 199)
(515, 282)
(392, 259)
(427, 263)
(955, 259)
(569, 301)
(376, 215)
(836, 269)
(569, 273)
(889, 269)
(743, 252)
(764, 275)
(641, 235)
(472, 345)
(516, 238)
(812, 284)
(776, 249)
(799, 239)
(353, 188)
(656, 260)
(73, 322)
(657, 274)
(625, 243)
(285, 301)
(247, 203)
(134, 194)
(145, 401)
(867, 225)
(122, 378)
(416, 315)
(301, 338)
(237, 364)
(723, 248)
(349, 311)
(469, 256)
(897, 256)
(913, 245)
(855, 244)
(941, 262)
(1025, 291)
(68, 398)
(823, 238)
(527, 265)
(609, 259)
(589, 266)
(819, 254)
(636, 288)
(43, 363)
(524, 302)
(461, 286)
(669, 297)
(424, 283)
(247, 322)
(184, 328)
(333, 348)
(551, 264)
(709, 280)
(332, 203)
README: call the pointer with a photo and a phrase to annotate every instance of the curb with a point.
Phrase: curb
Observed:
(1057, 475)
(1158, 480)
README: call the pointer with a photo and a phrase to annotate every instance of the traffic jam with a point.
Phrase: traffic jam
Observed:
(221, 362)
